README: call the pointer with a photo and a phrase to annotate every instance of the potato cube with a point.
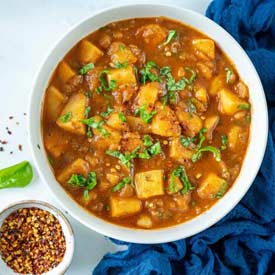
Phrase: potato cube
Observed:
(210, 124)
(53, 102)
(144, 221)
(178, 152)
(241, 89)
(205, 70)
(76, 108)
(124, 206)
(205, 46)
(136, 124)
(201, 94)
(78, 166)
(131, 141)
(152, 34)
(211, 186)
(120, 53)
(123, 77)
(216, 85)
(164, 122)
(191, 122)
(148, 95)
(229, 103)
(65, 72)
(55, 142)
(88, 52)
(115, 122)
(234, 136)
(149, 184)
(182, 202)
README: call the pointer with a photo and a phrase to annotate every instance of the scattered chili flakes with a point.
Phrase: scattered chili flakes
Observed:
(3, 142)
(32, 241)
(20, 147)
(10, 117)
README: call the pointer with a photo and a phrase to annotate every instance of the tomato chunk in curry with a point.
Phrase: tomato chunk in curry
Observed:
(146, 123)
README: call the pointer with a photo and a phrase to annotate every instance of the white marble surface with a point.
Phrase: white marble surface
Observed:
(28, 30)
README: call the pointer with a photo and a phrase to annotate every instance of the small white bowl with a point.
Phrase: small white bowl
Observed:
(258, 134)
(66, 227)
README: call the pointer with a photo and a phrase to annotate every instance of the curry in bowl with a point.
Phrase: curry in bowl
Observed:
(146, 123)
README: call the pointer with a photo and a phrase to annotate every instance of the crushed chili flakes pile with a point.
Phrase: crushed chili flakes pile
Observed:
(32, 241)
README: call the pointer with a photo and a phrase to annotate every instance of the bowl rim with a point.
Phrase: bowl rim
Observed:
(154, 235)
(58, 215)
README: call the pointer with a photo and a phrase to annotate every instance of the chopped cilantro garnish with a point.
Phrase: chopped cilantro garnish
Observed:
(122, 47)
(66, 117)
(87, 111)
(147, 141)
(88, 94)
(119, 65)
(155, 149)
(186, 141)
(122, 117)
(191, 108)
(124, 158)
(245, 106)
(147, 74)
(180, 173)
(92, 123)
(89, 183)
(121, 184)
(107, 112)
(86, 68)
(144, 115)
(222, 190)
(216, 152)
(228, 74)
(199, 150)
(224, 142)
(104, 86)
(172, 34)
(192, 77)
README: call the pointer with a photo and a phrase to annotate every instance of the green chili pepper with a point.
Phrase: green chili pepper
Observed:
(18, 175)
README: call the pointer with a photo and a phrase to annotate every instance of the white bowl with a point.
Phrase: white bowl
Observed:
(259, 123)
(66, 227)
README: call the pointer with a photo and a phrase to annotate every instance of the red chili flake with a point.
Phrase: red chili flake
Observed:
(3, 142)
(20, 147)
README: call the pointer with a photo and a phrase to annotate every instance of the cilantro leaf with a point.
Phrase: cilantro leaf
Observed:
(122, 117)
(193, 75)
(222, 190)
(104, 85)
(89, 183)
(66, 117)
(228, 74)
(87, 111)
(86, 68)
(92, 123)
(244, 106)
(107, 112)
(124, 159)
(147, 74)
(144, 115)
(147, 141)
(119, 65)
(216, 152)
(224, 142)
(180, 173)
(121, 184)
(172, 34)
(155, 149)
(186, 141)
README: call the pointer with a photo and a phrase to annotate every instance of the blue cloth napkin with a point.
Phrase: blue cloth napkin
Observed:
(243, 242)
